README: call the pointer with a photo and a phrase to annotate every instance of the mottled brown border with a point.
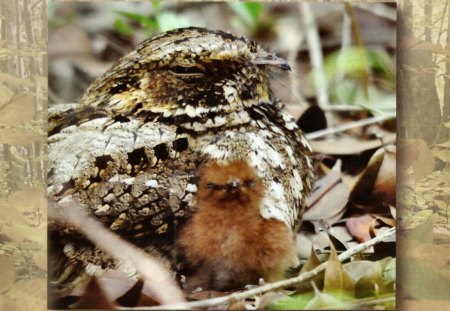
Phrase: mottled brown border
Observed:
(23, 71)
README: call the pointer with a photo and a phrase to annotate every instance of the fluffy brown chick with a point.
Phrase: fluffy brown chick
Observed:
(227, 244)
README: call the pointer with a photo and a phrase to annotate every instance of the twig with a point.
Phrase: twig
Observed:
(345, 44)
(351, 125)
(315, 52)
(359, 43)
(165, 289)
(272, 286)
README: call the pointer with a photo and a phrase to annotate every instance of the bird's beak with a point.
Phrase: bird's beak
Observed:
(265, 58)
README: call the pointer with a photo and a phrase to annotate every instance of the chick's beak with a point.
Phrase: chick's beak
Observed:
(233, 185)
(265, 58)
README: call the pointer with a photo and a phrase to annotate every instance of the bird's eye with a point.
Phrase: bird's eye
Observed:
(250, 183)
(188, 71)
(212, 186)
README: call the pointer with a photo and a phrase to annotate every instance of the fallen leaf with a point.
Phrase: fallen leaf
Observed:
(359, 227)
(324, 300)
(311, 264)
(337, 280)
(329, 198)
(376, 185)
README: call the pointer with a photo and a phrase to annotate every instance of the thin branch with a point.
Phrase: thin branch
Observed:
(276, 285)
(165, 289)
(351, 125)
(315, 52)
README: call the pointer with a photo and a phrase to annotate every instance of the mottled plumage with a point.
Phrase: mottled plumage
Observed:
(129, 153)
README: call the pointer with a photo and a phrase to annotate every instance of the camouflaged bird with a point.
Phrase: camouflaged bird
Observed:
(129, 152)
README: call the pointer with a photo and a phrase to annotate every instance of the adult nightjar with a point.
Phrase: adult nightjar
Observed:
(129, 152)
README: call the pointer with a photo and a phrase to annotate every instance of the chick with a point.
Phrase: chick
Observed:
(227, 244)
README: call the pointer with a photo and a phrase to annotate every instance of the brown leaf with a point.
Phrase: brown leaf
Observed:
(311, 264)
(337, 279)
(376, 186)
(7, 273)
(384, 189)
(359, 227)
(329, 199)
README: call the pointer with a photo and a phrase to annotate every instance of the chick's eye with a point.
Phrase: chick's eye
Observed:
(249, 183)
(212, 186)
(187, 71)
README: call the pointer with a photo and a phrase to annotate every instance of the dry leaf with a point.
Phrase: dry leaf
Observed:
(311, 264)
(359, 227)
(376, 186)
(337, 280)
(329, 198)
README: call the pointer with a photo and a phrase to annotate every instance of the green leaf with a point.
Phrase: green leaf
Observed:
(143, 20)
(249, 12)
(169, 20)
(296, 302)
(122, 27)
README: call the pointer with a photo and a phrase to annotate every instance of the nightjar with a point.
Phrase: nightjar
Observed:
(129, 152)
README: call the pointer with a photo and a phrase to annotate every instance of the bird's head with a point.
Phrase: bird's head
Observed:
(232, 184)
(189, 73)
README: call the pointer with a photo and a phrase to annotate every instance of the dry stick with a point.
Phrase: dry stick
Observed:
(351, 125)
(273, 286)
(165, 289)
(315, 52)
